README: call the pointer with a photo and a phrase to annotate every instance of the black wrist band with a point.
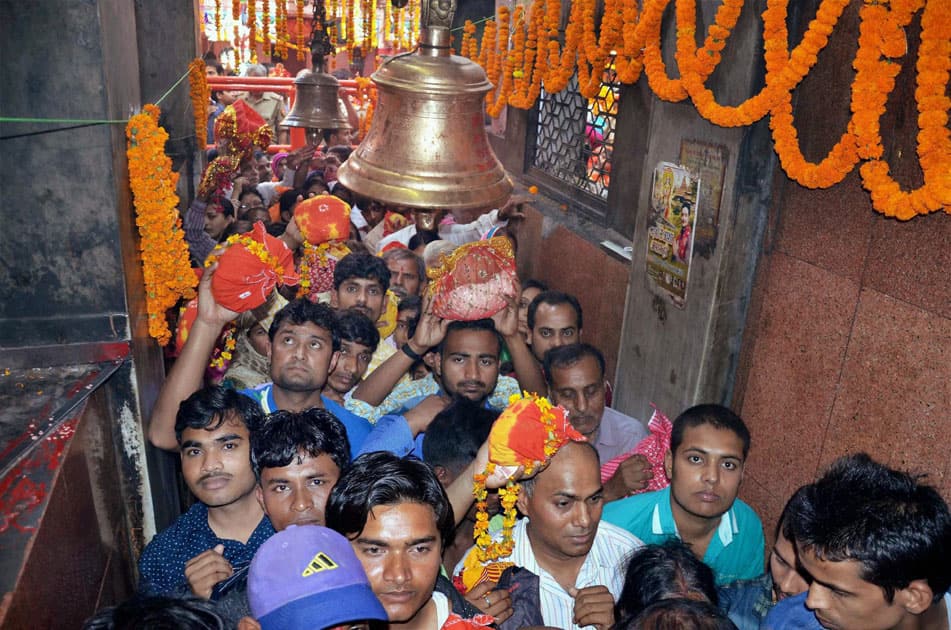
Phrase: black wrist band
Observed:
(409, 352)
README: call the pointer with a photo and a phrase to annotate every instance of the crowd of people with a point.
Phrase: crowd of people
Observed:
(332, 457)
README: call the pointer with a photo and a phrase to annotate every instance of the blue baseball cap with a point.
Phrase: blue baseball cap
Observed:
(308, 577)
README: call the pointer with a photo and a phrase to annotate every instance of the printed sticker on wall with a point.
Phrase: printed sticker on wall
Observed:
(671, 225)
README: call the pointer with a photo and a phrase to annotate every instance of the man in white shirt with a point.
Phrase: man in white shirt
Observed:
(579, 559)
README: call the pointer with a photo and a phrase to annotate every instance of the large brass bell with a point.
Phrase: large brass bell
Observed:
(316, 106)
(427, 146)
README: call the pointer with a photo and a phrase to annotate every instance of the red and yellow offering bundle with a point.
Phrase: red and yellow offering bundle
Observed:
(527, 434)
(252, 266)
(324, 223)
(472, 282)
(243, 129)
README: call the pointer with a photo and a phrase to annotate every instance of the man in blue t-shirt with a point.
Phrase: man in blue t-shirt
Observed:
(208, 546)
(874, 542)
(708, 448)
(304, 348)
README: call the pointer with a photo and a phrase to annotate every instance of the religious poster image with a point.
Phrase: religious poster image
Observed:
(670, 230)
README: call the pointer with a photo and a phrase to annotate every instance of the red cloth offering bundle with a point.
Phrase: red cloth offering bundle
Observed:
(250, 268)
(472, 282)
(323, 218)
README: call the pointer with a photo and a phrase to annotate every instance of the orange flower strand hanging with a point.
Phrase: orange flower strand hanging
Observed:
(167, 274)
(201, 97)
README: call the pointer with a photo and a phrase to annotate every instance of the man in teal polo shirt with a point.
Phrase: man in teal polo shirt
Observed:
(708, 448)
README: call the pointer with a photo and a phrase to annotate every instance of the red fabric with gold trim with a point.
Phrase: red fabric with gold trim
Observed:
(394, 221)
(243, 279)
(243, 128)
(472, 282)
(323, 218)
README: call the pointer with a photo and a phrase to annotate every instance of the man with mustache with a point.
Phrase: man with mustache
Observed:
(223, 529)
(466, 365)
(407, 272)
(575, 377)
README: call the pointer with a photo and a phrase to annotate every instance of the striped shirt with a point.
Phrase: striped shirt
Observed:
(605, 566)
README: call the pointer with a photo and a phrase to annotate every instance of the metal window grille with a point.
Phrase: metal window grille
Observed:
(574, 137)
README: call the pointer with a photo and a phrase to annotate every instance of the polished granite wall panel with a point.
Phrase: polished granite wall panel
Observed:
(794, 370)
(885, 284)
(894, 395)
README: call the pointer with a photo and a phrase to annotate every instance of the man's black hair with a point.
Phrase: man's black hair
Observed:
(553, 298)
(356, 327)
(364, 266)
(411, 303)
(897, 528)
(382, 478)
(422, 237)
(303, 311)
(401, 253)
(227, 208)
(561, 357)
(250, 191)
(531, 283)
(454, 436)
(717, 416)
(476, 324)
(342, 151)
(283, 435)
(211, 406)
(315, 178)
(682, 614)
(159, 613)
(288, 200)
(656, 572)
(328, 133)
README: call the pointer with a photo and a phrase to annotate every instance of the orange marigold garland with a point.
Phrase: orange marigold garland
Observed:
(934, 139)
(301, 44)
(168, 276)
(200, 97)
(527, 433)
(218, 20)
(252, 32)
(236, 16)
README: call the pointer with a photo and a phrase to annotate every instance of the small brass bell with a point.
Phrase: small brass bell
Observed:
(316, 106)
(427, 146)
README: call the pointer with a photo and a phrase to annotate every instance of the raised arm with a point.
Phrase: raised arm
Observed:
(187, 373)
(429, 332)
(527, 371)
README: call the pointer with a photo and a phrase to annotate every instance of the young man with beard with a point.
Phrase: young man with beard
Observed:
(303, 350)
(575, 377)
(360, 284)
(221, 532)
(708, 448)
(580, 559)
(398, 520)
(553, 319)
(466, 365)
(359, 339)
(875, 546)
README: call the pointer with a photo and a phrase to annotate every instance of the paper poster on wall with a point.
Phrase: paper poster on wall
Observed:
(709, 162)
(670, 230)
